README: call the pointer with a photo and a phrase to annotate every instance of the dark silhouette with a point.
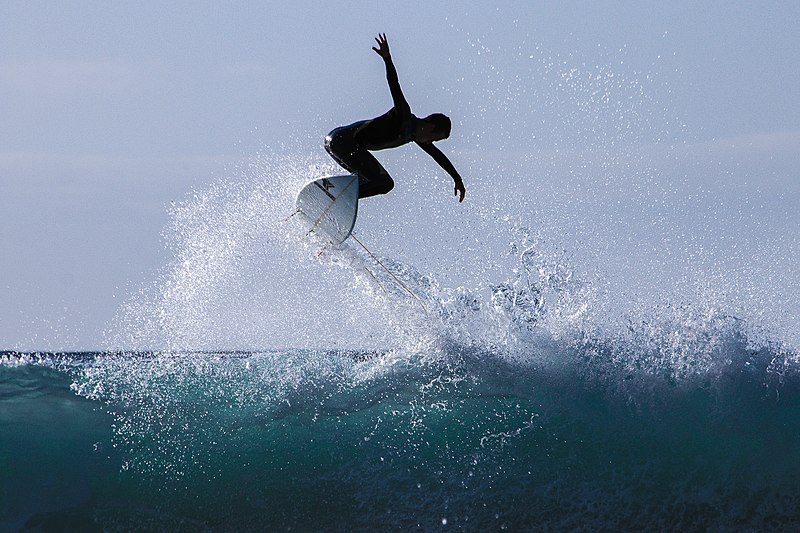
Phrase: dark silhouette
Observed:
(350, 145)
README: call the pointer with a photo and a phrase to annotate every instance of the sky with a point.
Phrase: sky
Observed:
(110, 112)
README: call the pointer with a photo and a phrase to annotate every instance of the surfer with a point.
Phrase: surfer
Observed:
(350, 146)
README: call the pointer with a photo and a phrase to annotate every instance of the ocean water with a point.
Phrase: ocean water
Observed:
(499, 410)
(342, 441)
(602, 337)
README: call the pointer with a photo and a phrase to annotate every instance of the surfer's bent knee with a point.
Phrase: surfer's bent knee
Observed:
(384, 184)
(389, 184)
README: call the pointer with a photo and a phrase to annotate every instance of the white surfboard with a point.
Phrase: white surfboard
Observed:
(330, 206)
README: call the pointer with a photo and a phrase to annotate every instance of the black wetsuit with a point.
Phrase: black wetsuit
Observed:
(350, 145)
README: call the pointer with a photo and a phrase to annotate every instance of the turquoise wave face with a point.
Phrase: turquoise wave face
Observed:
(344, 441)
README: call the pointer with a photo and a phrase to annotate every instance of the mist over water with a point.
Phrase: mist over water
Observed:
(578, 160)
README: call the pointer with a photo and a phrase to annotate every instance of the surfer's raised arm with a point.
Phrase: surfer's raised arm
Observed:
(391, 74)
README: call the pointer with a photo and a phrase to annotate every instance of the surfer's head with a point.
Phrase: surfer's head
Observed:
(432, 128)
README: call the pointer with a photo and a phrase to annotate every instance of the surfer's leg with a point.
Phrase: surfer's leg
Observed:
(372, 177)
(343, 148)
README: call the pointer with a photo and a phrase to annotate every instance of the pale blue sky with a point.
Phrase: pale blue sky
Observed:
(110, 111)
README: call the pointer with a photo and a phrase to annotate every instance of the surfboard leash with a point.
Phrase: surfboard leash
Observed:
(396, 279)
(374, 277)
(297, 210)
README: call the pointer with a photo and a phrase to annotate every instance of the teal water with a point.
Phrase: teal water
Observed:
(343, 441)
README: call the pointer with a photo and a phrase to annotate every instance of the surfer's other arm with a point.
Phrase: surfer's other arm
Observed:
(382, 50)
(445, 163)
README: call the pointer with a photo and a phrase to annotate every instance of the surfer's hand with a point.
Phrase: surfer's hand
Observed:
(383, 46)
(460, 190)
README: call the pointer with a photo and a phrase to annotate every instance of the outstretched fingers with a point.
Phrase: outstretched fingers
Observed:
(383, 45)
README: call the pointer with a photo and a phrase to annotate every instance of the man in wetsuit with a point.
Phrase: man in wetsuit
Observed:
(350, 145)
